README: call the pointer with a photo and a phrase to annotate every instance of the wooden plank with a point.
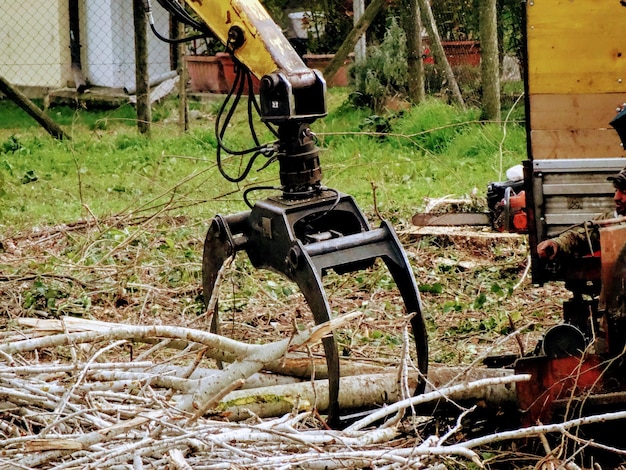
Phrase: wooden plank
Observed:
(568, 111)
(451, 219)
(583, 51)
(580, 143)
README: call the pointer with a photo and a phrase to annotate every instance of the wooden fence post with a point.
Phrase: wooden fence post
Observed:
(142, 85)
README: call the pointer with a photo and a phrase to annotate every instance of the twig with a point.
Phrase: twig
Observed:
(214, 400)
(438, 394)
(81, 376)
(542, 429)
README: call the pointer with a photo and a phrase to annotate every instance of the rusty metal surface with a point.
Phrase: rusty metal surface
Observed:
(598, 399)
(555, 379)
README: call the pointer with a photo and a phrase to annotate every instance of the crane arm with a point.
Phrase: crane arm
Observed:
(255, 39)
(289, 89)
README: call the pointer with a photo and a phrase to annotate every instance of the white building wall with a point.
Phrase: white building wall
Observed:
(34, 43)
(109, 46)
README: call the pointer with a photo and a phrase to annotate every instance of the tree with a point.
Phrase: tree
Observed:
(490, 63)
(438, 52)
(144, 114)
(413, 28)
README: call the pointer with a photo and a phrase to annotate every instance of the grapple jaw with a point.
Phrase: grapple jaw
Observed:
(302, 240)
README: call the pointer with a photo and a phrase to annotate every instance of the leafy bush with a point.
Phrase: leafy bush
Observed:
(384, 72)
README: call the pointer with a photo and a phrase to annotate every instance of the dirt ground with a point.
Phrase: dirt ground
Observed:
(475, 286)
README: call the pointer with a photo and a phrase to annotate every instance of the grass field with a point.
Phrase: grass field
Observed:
(110, 226)
(138, 208)
(107, 168)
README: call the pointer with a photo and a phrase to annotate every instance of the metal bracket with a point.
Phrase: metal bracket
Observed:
(302, 239)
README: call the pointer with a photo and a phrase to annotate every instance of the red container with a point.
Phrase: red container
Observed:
(206, 74)
(321, 61)
(228, 65)
(462, 52)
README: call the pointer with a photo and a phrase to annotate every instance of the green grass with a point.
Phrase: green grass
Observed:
(107, 168)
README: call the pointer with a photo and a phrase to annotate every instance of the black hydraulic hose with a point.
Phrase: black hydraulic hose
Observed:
(243, 175)
(330, 209)
(253, 106)
(179, 12)
(256, 188)
(243, 79)
(225, 114)
(220, 130)
(178, 40)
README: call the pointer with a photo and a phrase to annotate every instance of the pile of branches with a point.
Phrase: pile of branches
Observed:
(63, 404)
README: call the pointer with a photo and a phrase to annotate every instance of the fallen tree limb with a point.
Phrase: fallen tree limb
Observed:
(300, 366)
(543, 429)
(64, 417)
(251, 358)
(37, 114)
(497, 392)
(171, 377)
(219, 345)
(447, 393)
(354, 392)
(140, 432)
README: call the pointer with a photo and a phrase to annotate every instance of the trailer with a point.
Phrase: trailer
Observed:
(575, 88)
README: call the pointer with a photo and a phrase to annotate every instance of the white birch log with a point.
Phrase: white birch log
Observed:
(448, 392)
(354, 392)
(295, 365)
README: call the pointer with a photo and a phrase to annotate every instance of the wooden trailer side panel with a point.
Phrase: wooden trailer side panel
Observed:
(575, 83)
(576, 77)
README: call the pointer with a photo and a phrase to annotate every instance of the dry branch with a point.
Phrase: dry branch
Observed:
(27, 105)
(89, 414)
(354, 392)
(295, 364)
(249, 358)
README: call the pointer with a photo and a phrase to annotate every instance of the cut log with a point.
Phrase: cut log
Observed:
(365, 391)
(354, 392)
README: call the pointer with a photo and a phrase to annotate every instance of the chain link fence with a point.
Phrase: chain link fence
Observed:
(52, 44)
(59, 43)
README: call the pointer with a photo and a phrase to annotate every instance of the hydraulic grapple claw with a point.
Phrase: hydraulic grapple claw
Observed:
(302, 240)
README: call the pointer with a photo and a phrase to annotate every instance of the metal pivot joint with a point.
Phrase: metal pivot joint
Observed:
(298, 158)
(304, 238)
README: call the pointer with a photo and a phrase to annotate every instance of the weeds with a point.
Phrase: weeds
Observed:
(143, 206)
(384, 73)
(111, 226)
(429, 150)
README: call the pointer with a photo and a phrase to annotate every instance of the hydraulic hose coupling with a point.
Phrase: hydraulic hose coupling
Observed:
(236, 38)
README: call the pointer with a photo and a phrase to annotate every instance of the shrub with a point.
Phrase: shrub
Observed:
(384, 72)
